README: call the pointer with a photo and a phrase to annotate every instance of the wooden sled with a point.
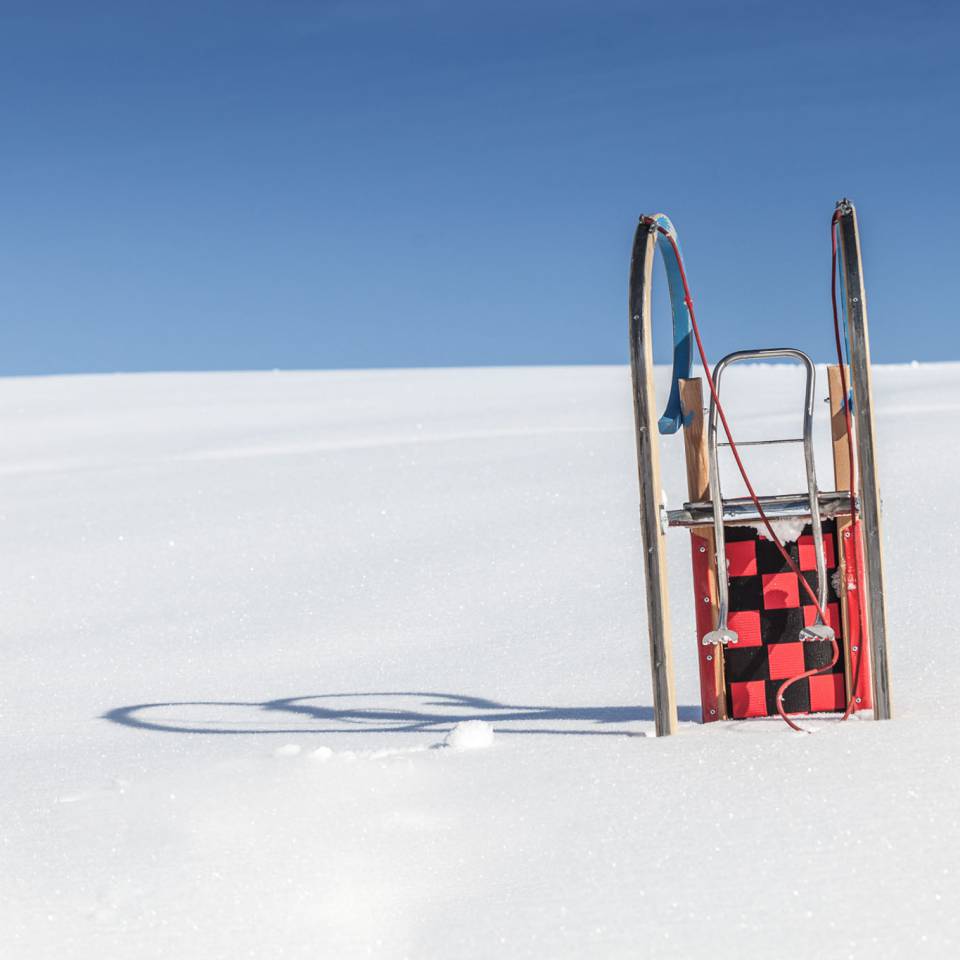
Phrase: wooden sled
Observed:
(754, 628)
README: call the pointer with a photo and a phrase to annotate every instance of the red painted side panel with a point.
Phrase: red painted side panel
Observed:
(710, 696)
(856, 606)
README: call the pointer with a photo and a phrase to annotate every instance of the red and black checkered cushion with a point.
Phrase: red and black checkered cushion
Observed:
(768, 608)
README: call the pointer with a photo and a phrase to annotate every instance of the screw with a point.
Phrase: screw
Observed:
(703, 549)
(854, 649)
(713, 713)
(846, 534)
(858, 699)
(706, 599)
(709, 656)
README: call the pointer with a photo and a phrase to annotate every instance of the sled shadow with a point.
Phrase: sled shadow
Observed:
(381, 712)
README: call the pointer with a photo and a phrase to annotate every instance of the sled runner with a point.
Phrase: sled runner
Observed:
(782, 627)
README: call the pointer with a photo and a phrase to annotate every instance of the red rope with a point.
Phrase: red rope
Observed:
(688, 299)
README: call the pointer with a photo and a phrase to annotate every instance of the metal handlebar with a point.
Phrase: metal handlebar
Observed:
(819, 630)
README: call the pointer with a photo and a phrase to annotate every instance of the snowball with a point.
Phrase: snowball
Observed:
(470, 735)
(321, 754)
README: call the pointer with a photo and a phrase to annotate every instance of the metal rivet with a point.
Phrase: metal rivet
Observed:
(703, 549)
(846, 535)
(713, 713)
(706, 599)
(709, 656)
(858, 699)
(854, 649)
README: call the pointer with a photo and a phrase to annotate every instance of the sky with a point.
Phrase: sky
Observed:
(288, 184)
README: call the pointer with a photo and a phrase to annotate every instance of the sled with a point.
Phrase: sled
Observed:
(767, 642)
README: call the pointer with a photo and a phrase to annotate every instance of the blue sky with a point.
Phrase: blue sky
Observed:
(228, 185)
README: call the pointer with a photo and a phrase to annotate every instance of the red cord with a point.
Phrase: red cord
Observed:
(688, 299)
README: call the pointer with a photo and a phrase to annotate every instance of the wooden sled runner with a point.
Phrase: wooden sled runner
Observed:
(791, 628)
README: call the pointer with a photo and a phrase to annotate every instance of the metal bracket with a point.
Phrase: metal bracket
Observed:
(831, 503)
(720, 636)
(817, 631)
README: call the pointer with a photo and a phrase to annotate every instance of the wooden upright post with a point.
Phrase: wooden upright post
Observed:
(703, 552)
(648, 470)
(838, 428)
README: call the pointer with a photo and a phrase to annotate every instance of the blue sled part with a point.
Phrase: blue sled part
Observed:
(673, 417)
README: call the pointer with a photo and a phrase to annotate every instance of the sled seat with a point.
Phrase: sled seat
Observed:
(768, 609)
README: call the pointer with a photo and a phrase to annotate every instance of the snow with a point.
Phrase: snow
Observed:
(242, 612)
(787, 531)
(470, 735)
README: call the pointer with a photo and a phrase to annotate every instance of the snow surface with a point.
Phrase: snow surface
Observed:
(242, 612)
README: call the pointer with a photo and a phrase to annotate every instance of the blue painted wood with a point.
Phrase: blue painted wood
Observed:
(673, 418)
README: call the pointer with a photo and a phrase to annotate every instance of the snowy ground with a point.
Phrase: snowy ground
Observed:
(207, 572)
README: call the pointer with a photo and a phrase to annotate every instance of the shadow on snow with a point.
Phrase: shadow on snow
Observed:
(382, 712)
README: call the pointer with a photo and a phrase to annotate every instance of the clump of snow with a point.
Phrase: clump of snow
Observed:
(321, 754)
(287, 750)
(787, 531)
(470, 735)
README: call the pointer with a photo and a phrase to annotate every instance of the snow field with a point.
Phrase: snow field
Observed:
(243, 612)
